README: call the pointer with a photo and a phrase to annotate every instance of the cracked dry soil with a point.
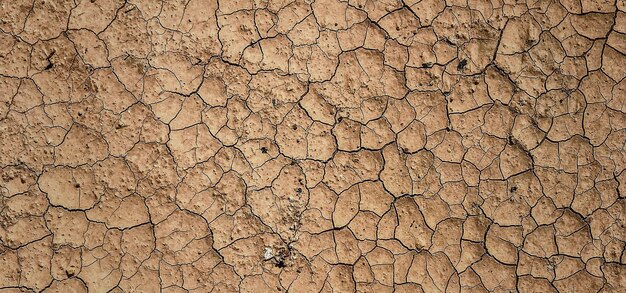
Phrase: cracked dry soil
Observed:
(312, 146)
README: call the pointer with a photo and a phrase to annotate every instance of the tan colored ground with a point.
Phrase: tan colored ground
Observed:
(307, 146)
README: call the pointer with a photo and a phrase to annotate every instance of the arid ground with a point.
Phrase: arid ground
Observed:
(312, 146)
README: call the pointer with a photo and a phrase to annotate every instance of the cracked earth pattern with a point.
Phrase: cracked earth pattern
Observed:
(312, 146)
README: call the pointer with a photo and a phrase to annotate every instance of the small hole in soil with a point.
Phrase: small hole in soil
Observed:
(514, 189)
(461, 65)
(264, 150)
(280, 264)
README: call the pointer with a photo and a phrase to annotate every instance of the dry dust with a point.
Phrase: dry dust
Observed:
(312, 146)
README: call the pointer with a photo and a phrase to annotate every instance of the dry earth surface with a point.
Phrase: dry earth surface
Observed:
(312, 146)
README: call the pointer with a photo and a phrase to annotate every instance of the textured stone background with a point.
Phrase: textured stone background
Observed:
(306, 146)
